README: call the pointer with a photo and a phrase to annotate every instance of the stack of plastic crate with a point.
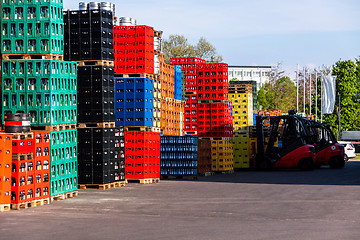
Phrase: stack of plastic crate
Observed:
(171, 107)
(190, 67)
(179, 156)
(5, 171)
(138, 100)
(214, 114)
(242, 103)
(89, 40)
(36, 80)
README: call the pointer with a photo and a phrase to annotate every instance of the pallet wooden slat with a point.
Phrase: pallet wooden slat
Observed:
(143, 181)
(102, 186)
(96, 125)
(33, 57)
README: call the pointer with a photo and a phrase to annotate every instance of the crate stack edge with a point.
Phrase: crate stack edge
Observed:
(37, 81)
(89, 41)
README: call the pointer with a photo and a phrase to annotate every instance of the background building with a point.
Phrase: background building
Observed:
(260, 74)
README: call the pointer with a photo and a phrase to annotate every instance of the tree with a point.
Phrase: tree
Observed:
(348, 87)
(279, 94)
(178, 46)
(207, 51)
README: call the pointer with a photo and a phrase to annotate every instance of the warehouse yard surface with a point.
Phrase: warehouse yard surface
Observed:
(319, 204)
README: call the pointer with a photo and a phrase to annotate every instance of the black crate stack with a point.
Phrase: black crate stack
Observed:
(89, 41)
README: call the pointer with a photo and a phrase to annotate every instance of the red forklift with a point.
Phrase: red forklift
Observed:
(328, 150)
(286, 146)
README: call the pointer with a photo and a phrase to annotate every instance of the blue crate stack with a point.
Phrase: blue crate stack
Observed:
(178, 83)
(179, 156)
(134, 102)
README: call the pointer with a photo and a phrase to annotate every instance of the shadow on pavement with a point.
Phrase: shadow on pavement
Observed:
(349, 175)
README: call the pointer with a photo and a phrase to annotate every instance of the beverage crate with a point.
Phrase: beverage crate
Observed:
(5, 169)
(134, 49)
(179, 155)
(204, 155)
(47, 89)
(63, 162)
(101, 155)
(89, 35)
(41, 150)
(134, 102)
(142, 154)
(222, 154)
(178, 83)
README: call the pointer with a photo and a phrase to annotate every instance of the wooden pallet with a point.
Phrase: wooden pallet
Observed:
(183, 177)
(64, 196)
(137, 75)
(18, 206)
(60, 127)
(101, 186)
(5, 207)
(142, 128)
(206, 174)
(95, 63)
(22, 136)
(33, 57)
(40, 202)
(143, 181)
(191, 132)
(96, 125)
(22, 156)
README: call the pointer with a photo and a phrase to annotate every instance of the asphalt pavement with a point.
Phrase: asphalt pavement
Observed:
(284, 204)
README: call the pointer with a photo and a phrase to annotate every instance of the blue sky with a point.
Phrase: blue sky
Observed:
(258, 32)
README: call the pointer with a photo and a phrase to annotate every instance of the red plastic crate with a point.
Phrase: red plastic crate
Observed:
(5, 168)
(142, 153)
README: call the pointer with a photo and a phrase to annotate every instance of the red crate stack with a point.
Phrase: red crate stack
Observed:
(221, 120)
(142, 155)
(5, 171)
(190, 113)
(134, 49)
(23, 171)
(189, 66)
(212, 81)
(42, 164)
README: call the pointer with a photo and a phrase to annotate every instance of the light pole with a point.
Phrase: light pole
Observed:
(297, 89)
(316, 95)
(339, 116)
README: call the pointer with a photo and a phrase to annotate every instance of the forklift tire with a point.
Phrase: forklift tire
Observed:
(263, 164)
(336, 163)
(306, 164)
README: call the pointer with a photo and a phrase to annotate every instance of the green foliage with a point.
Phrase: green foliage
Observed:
(279, 94)
(348, 86)
(178, 46)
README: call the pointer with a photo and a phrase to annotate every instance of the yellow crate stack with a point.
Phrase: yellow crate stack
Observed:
(241, 98)
(222, 154)
(242, 153)
(242, 105)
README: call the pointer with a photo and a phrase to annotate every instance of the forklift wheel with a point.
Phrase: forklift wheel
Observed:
(336, 162)
(264, 165)
(306, 164)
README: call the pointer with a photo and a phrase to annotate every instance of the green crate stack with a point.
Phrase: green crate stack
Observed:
(63, 162)
(32, 27)
(183, 85)
(35, 80)
(44, 88)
